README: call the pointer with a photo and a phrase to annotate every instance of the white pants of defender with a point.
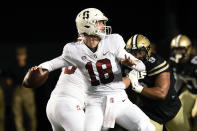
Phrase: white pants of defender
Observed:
(128, 115)
(65, 114)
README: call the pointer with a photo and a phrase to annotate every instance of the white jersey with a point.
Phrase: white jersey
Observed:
(71, 83)
(100, 68)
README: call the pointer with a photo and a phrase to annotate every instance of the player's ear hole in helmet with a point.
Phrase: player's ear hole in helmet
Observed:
(139, 46)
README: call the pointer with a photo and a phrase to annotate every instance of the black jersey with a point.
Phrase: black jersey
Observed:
(186, 74)
(160, 111)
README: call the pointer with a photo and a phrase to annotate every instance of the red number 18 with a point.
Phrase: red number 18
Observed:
(105, 74)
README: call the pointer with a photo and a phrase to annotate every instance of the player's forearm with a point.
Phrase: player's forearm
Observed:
(139, 65)
(126, 81)
(154, 93)
(54, 64)
(161, 87)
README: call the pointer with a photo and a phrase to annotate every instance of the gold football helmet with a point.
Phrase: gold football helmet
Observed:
(181, 42)
(138, 43)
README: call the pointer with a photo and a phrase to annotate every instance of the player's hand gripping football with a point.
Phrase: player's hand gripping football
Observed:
(35, 77)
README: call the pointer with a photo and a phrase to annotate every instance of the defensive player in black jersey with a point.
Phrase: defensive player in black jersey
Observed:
(185, 69)
(158, 98)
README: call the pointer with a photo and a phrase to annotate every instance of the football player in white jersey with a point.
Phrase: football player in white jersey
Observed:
(98, 56)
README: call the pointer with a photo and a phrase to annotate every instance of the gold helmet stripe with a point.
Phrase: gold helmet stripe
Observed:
(134, 41)
(178, 40)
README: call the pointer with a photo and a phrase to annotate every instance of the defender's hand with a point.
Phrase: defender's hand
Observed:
(133, 76)
(141, 74)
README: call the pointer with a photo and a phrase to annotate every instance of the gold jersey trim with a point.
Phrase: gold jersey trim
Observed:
(162, 64)
(159, 71)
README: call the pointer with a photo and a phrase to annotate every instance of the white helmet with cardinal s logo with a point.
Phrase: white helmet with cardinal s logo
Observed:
(86, 22)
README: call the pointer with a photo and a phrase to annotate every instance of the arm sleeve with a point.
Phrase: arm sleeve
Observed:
(120, 54)
(57, 62)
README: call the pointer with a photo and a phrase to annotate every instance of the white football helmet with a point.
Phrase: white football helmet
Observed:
(86, 22)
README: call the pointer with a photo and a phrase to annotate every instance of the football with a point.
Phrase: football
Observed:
(35, 78)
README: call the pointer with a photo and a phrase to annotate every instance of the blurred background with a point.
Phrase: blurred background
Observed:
(44, 31)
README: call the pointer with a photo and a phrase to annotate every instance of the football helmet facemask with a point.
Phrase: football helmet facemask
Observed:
(180, 48)
(139, 43)
(86, 22)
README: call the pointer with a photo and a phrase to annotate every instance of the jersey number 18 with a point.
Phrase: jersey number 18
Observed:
(104, 69)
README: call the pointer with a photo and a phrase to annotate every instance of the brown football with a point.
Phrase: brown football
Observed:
(35, 78)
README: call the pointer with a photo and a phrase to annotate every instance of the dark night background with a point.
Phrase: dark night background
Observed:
(45, 30)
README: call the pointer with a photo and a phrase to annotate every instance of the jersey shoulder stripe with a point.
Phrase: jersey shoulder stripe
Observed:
(160, 70)
(157, 66)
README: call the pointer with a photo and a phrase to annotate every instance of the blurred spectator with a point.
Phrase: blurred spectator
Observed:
(153, 48)
(2, 104)
(23, 98)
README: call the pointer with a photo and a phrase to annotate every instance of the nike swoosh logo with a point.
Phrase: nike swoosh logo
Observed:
(105, 53)
(123, 100)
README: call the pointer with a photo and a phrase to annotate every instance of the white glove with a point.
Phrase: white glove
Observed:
(141, 74)
(133, 76)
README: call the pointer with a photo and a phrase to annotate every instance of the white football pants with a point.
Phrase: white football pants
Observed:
(127, 114)
(65, 114)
